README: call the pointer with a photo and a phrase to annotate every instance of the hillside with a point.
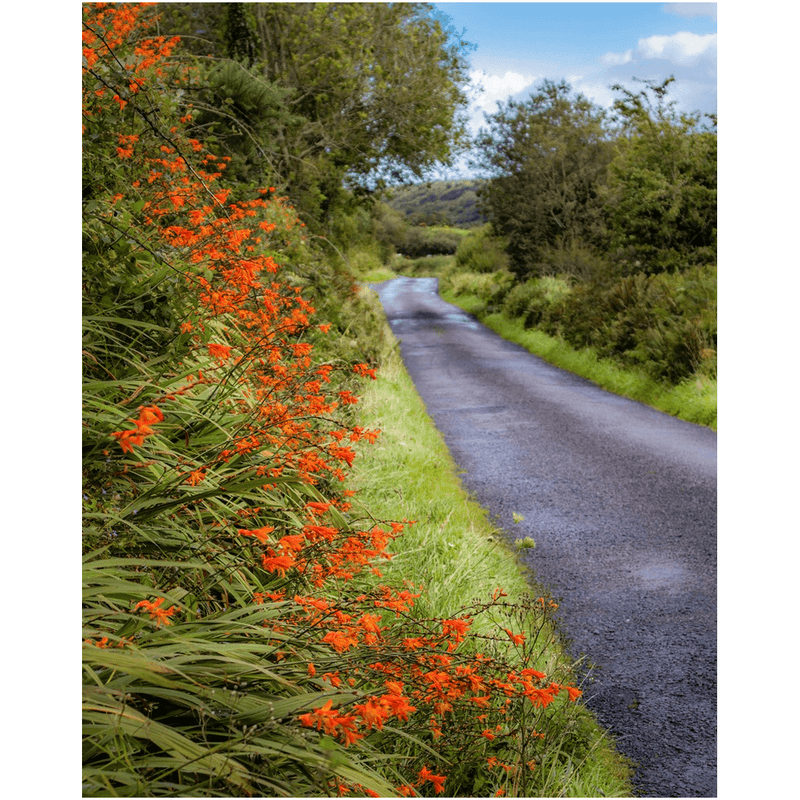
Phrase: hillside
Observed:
(453, 203)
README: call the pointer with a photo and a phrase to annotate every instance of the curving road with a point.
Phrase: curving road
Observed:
(621, 501)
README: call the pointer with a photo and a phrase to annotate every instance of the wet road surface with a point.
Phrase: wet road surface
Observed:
(621, 501)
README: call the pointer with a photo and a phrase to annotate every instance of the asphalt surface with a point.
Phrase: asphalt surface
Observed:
(621, 501)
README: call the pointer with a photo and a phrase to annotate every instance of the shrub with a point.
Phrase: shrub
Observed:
(533, 300)
(574, 261)
(390, 228)
(481, 251)
(664, 323)
(490, 288)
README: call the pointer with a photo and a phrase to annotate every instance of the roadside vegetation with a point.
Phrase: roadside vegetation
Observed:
(256, 620)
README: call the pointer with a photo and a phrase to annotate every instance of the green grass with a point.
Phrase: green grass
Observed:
(694, 400)
(460, 556)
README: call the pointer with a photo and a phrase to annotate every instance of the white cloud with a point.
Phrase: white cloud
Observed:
(617, 58)
(680, 48)
(488, 90)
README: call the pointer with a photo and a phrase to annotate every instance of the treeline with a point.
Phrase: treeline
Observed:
(602, 227)
(571, 181)
(328, 101)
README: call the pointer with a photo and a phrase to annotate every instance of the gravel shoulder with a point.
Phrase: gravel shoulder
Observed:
(621, 501)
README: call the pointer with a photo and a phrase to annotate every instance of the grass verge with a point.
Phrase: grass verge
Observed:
(460, 556)
(694, 400)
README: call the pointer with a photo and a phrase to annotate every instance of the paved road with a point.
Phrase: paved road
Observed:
(621, 500)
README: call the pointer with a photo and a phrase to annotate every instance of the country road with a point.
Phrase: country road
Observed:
(621, 501)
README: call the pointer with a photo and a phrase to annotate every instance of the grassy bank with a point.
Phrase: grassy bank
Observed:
(462, 559)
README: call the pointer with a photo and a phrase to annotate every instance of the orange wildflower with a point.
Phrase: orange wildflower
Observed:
(340, 641)
(437, 780)
(277, 564)
(398, 704)
(333, 678)
(540, 698)
(262, 534)
(156, 612)
(516, 638)
(373, 713)
(195, 477)
(573, 693)
(533, 673)
(456, 627)
(128, 438)
(219, 351)
(369, 622)
(293, 542)
(333, 723)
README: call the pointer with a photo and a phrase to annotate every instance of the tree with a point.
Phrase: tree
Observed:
(547, 157)
(661, 194)
(339, 96)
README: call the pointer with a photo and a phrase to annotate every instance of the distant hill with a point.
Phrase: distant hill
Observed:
(452, 203)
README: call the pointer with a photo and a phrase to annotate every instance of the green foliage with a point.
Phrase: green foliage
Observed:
(242, 115)
(604, 213)
(665, 324)
(532, 301)
(489, 288)
(355, 94)
(421, 240)
(482, 251)
(577, 262)
(389, 228)
(548, 156)
(395, 235)
(661, 194)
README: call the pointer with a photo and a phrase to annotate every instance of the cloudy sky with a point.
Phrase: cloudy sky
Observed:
(591, 46)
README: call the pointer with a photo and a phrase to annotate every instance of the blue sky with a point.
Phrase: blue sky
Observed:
(591, 46)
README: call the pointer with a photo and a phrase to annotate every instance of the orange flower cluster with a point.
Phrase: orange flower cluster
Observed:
(160, 615)
(426, 680)
(255, 321)
(142, 428)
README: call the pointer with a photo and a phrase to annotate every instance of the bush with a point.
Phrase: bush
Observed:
(489, 288)
(429, 266)
(575, 261)
(481, 251)
(665, 323)
(532, 301)
(389, 228)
